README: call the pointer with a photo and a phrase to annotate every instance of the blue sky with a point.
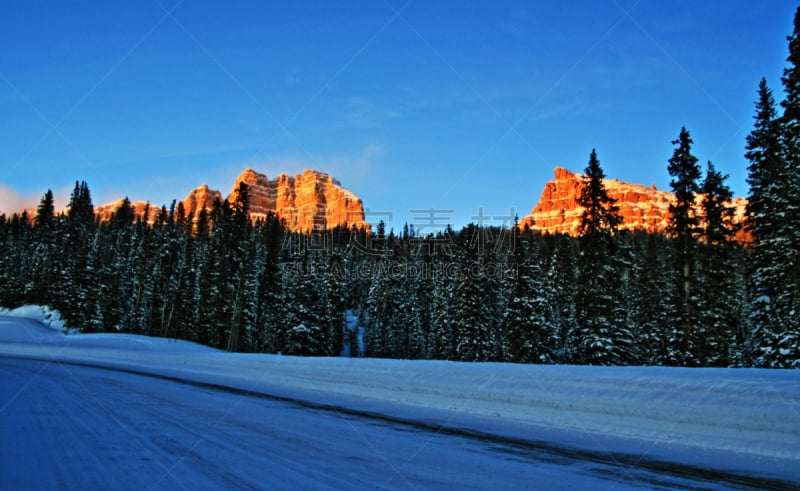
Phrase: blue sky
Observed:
(462, 106)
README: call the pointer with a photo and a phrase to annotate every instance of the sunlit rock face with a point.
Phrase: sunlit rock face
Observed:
(201, 198)
(309, 201)
(141, 209)
(641, 207)
(198, 199)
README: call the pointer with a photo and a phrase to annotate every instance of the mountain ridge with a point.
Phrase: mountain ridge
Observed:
(314, 200)
(641, 207)
(309, 201)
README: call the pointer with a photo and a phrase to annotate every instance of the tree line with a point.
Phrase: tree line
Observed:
(692, 296)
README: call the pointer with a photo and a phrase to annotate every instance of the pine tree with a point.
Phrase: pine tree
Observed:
(787, 301)
(717, 279)
(238, 241)
(766, 177)
(16, 275)
(649, 298)
(304, 332)
(270, 335)
(420, 313)
(441, 342)
(600, 215)
(114, 270)
(560, 286)
(334, 306)
(384, 328)
(79, 307)
(530, 336)
(597, 299)
(45, 253)
(773, 149)
(473, 322)
(683, 226)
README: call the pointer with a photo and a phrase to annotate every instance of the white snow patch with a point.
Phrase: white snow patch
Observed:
(44, 315)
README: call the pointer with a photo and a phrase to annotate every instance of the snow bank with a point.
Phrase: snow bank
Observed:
(733, 420)
(44, 315)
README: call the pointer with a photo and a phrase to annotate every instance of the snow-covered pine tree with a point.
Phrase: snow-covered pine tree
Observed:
(765, 208)
(650, 298)
(304, 332)
(684, 229)
(333, 295)
(787, 300)
(773, 214)
(384, 332)
(214, 301)
(270, 311)
(79, 307)
(530, 337)
(443, 274)
(45, 255)
(472, 304)
(420, 291)
(241, 283)
(717, 295)
(560, 288)
(15, 275)
(597, 298)
(114, 270)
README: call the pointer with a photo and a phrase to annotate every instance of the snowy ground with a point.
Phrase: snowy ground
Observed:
(698, 424)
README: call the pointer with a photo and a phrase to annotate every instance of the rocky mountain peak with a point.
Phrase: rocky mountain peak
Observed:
(312, 200)
(641, 207)
(309, 201)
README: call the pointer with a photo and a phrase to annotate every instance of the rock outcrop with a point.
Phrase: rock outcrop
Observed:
(641, 207)
(140, 208)
(199, 199)
(309, 201)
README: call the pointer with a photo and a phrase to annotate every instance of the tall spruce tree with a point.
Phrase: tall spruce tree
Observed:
(270, 337)
(600, 329)
(79, 307)
(718, 314)
(773, 150)
(560, 285)
(46, 256)
(787, 301)
(650, 298)
(529, 333)
(765, 205)
(684, 229)
(473, 297)
(600, 217)
(441, 342)
(240, 282)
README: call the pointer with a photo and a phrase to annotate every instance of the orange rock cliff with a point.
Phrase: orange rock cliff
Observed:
(641, 207)
(309, 201)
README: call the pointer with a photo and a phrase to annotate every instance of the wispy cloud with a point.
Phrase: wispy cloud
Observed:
(363, 113)
(360, 166)
(13, 202)
(355, 167)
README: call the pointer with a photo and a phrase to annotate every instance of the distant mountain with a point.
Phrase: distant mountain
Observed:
(641, 207)
(309, 201)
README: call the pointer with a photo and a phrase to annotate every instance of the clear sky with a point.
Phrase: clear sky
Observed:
(462, 105)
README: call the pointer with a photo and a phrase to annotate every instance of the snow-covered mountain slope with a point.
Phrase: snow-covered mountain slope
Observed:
(745, 421)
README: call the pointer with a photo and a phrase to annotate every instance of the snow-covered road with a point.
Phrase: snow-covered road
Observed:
(87, 410)
(77, 427)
